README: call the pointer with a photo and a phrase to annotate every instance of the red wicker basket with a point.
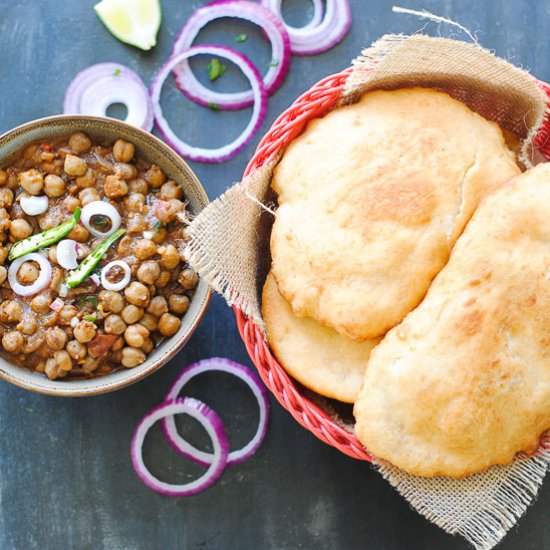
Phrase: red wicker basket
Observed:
(314, 103)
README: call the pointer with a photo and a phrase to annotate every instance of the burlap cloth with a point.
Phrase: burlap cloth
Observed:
(230, 247)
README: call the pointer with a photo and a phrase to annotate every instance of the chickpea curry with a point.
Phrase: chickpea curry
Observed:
(93, 274)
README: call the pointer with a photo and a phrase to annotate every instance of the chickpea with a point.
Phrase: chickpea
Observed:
(63, 360)
(83, 251)
(85, 331)
(158, 306)
(11, 311)
(71, 203)
(169, 256)
(136, 335)
(76, 350)
(53, 167)
(150, 322)
(75, 166)
(54, 186)
(52, 254)
(132, 357)
(163, 279)
(126, 171)
(5, 220)
(137, 294)
(56, 338)
(155, 176)
(20, 229)
(188, 278)
(3, 274)
(135, 202)
(6, 197)
(136, 223)
(53, 370)
(139, 185)
(159, 236)
(148, 272)
(145, 249)
(34, 342)
(41, 303)
(90, 364)
(166, 210)
(3, 177)
(178, 303)
(28, 324)
(57, 279)
(170, 190)
(32, 181)
(118, 345)
(49, 319)
(148, 345)
(115, 187)
(169, 324)
(79, 142)
(132, 314)
(87, 180)
(88, 195)
(125, 246)
(66, 314)
(13, 341)
(79, 233)
(111, 301)
(52, 218)
(123, 151)
(114, 324)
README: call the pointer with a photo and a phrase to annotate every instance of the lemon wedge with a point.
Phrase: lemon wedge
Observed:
(134, 22)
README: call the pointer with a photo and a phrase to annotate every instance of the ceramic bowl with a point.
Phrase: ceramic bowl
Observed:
(153, 150)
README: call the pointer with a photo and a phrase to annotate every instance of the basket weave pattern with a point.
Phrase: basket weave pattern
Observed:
(314, 103)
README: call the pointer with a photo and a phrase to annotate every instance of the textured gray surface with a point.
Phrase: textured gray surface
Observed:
(65, 475)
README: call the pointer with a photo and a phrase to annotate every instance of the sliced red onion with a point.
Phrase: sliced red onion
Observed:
(310, 40)
(100, 208)
(242, 9)
(33, 206)
(57, 304)
(63, 290)
(218, 364)
(66, 254)
(94, 89)
(120, 284)
(95, 279)
(148, 235)
(258, 113)
(275, 7)
(215, 430)
(41, 282)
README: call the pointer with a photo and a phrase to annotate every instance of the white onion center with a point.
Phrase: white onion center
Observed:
(41, 282)
(120, 284)
(100, 208)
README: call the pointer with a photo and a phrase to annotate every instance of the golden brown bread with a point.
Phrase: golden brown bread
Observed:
(464, 381)
(372, 198)
(318, 357)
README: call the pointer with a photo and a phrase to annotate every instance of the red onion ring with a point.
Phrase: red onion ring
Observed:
(209, 420)
(106, 284)
(218, 364)
(242, 9)
(41, 282)
(100, 208)
(312, 40)
(316, 18)
(94, 89)
(258, 113)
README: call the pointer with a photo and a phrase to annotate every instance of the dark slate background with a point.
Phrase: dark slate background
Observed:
(66, 480)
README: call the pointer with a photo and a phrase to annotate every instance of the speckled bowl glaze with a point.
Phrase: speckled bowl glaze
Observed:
(153, 150)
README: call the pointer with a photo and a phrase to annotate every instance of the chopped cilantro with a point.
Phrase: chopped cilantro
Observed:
(216, 69)
(241, 37)
(87, 300)
(157, 226)
(214, 106)
(274, 63)
(117, 72)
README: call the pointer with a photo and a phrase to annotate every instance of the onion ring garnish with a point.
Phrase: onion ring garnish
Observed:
(100, 208)
(218, 364)
(310, 40)
(242, 9)
(94, 89)
(105, 283)
(215, 430)
(34, 206)
(66, 254)
(258, 113)
(41, 282)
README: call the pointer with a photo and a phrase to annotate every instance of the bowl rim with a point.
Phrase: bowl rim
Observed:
(39, 383)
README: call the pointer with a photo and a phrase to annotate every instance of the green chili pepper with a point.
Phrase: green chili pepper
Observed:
(46, 238)
(77, 276)
(91, 318)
